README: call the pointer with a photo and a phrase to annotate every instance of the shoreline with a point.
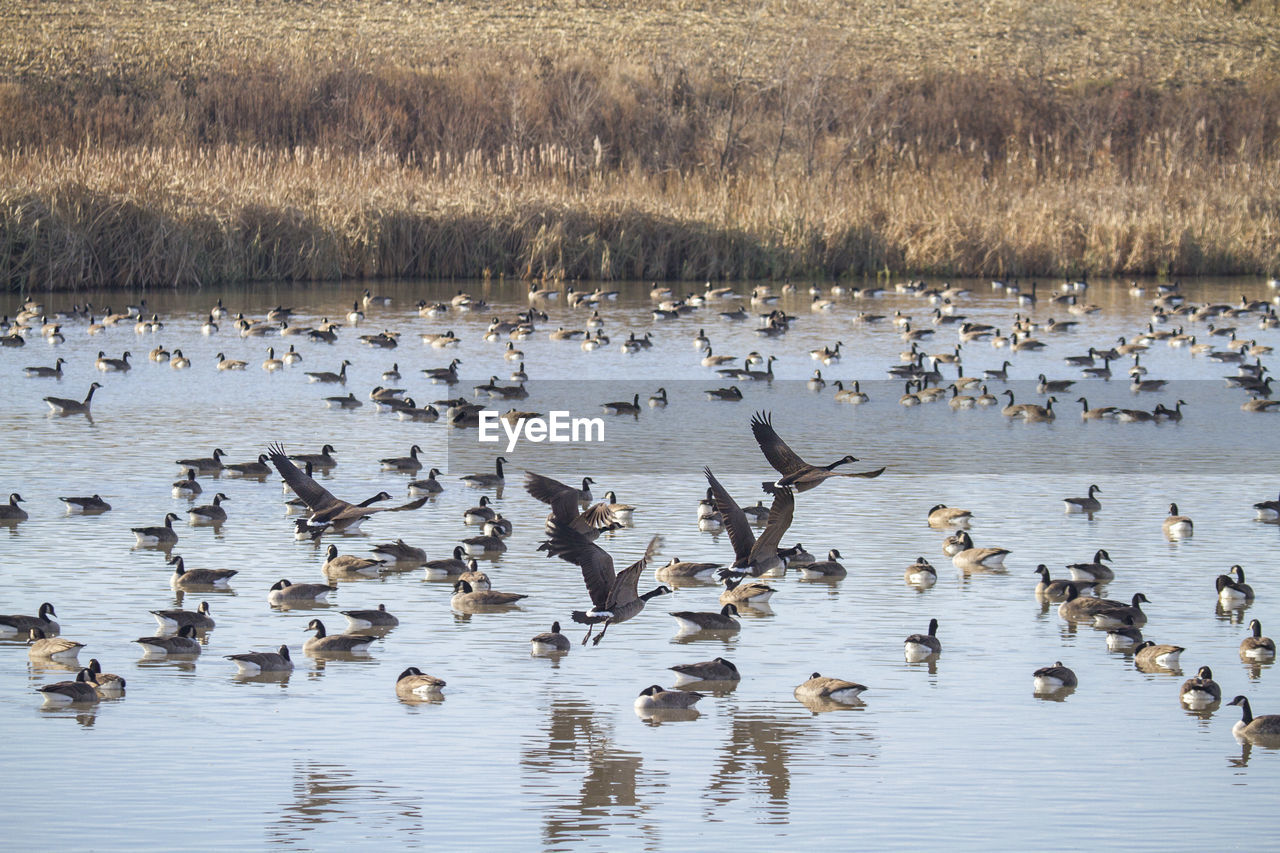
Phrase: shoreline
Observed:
(329, 142)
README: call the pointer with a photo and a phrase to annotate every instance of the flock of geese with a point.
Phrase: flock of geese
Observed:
(575, 521)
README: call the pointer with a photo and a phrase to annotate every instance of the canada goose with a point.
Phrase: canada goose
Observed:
(920, 573)
(622, 407)
(347, 402)
(42, 647)
(564, 501)
(283, 592)
(1164, 413)
(188, 487)
(941, 515)
(112, 365)
(271, 363)
(413, 683)
(1088, 504)
(1093, 571)
(1047, 386)
(744, 594)
(1099, 413)
(818, 688)
(171, 620)
(731, 394)
(658, 400)
(81, 691)
(1012, 410)
(184, 578)
(185, 643)
(377, 619)
(1082, 608)
(429, 486)
(19, 625)
(54, 372)
(349, 564)
(1266, 726)
(654, 698)
(465, 597)
(64, 406)
(211, 513)
(795, 471)
(918, 647)
(550, 641)
(712, 360)
(1118, 614)
(162, 535)
(1126, 637)
(854, 395)
(478, 580)
(484, 544)
(1258, 404)
(204, 464)
(1055, 590)
(1177, 526)
(1050, 679)
(970, 557)
(325, 508)
(454, 565)
(447, 375)
(1233, 591)
(1147, 384)
(614, 595)
(1200, 691)
(678, 570)
(323, 642)
(1255, 647)
(1152, 656)
(1031, 413)
(480, 514)
(81, 505)
(178, 361)
(486, 481)
(828, 568)
(691, 621)
(717, 669)
(258, 469)
(399, 552)
(225, 363)
(408, 464)
(329, 377)
(11, 511)
(375, 299)
(755, 555)
(1001, 374)
(251, 663)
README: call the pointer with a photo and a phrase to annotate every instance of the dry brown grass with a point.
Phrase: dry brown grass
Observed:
(171, 143)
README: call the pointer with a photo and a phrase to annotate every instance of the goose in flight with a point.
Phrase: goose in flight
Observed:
(614, 596)
(326, 509)
(795, 471)
(754, 556)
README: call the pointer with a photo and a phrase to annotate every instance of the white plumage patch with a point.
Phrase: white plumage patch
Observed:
(846, 694)
(1116, 642)
(917, 651)
(1047, 684)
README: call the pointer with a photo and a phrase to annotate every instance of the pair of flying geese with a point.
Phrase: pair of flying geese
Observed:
(615, 596)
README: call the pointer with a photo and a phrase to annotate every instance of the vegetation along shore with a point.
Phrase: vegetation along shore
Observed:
(178, 144)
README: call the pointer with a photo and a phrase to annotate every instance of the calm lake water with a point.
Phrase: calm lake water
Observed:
(548, 751)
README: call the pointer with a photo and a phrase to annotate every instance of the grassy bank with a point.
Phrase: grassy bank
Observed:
(659, 140)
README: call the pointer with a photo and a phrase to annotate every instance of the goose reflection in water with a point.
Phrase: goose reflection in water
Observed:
(587, 784)
(331, 793)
